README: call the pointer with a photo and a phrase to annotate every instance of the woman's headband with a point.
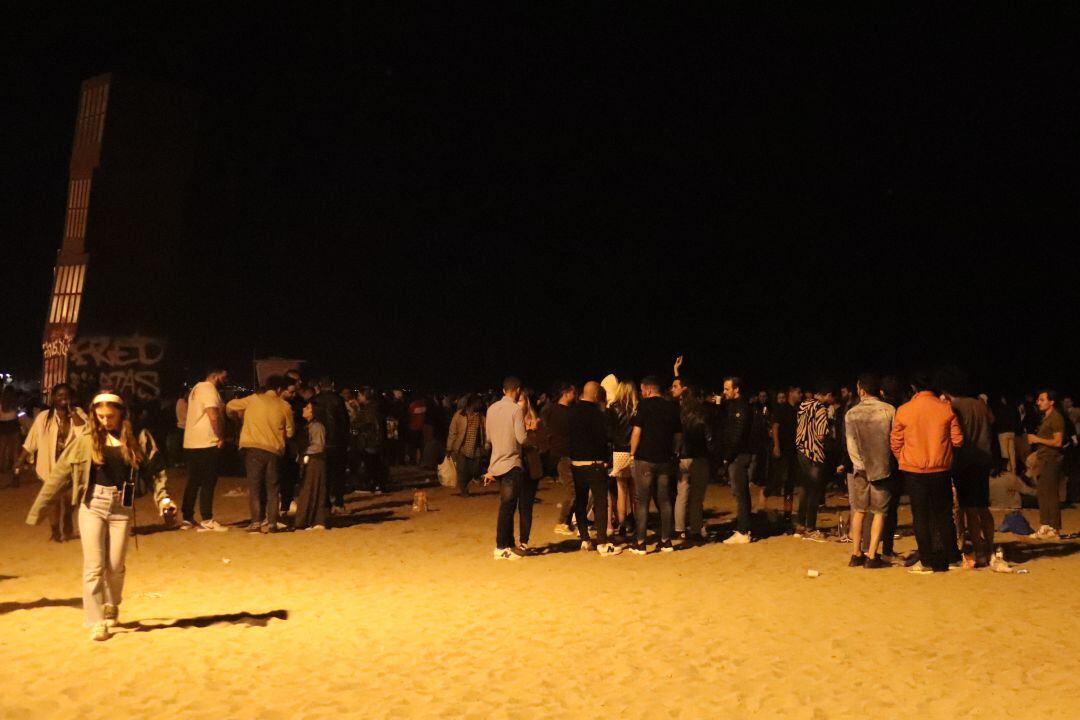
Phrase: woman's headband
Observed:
(107, 398)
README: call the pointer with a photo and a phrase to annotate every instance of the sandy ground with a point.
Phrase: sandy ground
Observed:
(405, 614)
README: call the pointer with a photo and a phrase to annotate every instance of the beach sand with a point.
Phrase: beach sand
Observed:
(405, 614)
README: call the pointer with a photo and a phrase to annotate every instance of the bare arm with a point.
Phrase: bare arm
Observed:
(1055, 441)
(217, 421)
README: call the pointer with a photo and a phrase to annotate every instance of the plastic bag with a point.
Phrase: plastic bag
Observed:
(448, 472)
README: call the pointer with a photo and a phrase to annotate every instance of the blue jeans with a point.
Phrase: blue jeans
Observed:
(813, 488)
(509, 490)
(262, 477)
(739, 474)
(650, 477)
(103, 525)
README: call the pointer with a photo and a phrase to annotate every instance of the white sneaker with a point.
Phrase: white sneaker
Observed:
(738, 538)
(99, 632)
(608, 550)
(211, 526)
(506, 554)
(188, 525)
(111, 613)
(1045, 532)
(586, 546)
(564, 529)
(317, 527)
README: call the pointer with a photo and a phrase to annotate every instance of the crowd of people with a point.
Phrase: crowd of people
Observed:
(618, 452)
(612, 448)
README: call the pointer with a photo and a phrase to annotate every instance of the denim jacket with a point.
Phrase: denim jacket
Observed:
(73, 468)
(869, 424)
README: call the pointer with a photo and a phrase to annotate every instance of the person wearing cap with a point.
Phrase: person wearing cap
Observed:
(102, 467)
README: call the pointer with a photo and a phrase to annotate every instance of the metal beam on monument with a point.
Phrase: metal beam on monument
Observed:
(69, 276)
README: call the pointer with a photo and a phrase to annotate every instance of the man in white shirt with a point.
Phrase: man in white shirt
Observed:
(203, 434)
(506, 432)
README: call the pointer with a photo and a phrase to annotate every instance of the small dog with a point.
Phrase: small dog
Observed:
(419, 501)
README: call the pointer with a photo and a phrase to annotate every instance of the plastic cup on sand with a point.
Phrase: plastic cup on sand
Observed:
(812, 573)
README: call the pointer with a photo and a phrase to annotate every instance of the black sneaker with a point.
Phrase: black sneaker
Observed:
(638, 548)
(875, 563)
(665, 546)
(857, 561)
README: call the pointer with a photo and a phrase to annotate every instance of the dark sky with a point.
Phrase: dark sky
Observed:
(438, 197)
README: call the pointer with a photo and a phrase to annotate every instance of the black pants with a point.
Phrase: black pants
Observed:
(591, 478)
(467, 470)
(812, 481)
(892, 513)
(335, 475)
(526, 501)
(288, 479)
(509, 490)
(262, 476)
(376, 474)
(739, 475)
(931, 513)
(202, 466)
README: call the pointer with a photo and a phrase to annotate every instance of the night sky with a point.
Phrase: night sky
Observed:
(436, 198)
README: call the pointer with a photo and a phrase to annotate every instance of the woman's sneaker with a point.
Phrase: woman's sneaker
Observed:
(111, 613)
(586, 545)
(99, 632)
(639, 548)
(564, 530)
(508, 554)
(211, 526)
(188, 525)
(738, 538)
(665, 546)
(608, 550)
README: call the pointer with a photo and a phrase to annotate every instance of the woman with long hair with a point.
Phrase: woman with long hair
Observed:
(102, 467)
(622, 406)
(534, 467)
(51, 432)
(693, 466)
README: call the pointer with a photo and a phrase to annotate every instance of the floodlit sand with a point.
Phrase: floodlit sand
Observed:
(407, 615)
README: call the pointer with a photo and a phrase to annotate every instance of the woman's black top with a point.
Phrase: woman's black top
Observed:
(115, 472)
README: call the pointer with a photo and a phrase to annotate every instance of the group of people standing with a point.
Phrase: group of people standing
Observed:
(618, 452)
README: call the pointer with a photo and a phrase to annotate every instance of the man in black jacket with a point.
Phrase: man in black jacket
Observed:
(588, 464)
(329, 409)
(737, 455)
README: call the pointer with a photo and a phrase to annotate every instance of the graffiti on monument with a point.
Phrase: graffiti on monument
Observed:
(127, 365)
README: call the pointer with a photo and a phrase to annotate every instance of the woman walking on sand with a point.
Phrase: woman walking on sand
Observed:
(101, 466)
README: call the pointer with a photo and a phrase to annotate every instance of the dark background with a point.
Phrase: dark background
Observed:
(436, 197)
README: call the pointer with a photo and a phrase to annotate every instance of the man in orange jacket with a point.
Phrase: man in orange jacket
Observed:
(924, 434)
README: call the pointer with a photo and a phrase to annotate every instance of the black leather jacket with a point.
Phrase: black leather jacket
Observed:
(735, 431)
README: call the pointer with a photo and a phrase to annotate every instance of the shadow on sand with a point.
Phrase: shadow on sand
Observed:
(1020, 551)
(8, 607)
(240, 618)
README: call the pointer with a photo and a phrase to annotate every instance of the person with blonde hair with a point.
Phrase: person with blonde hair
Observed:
(102, 467)
(622, 406)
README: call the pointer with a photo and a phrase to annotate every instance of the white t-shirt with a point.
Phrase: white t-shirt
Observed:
(199, 432)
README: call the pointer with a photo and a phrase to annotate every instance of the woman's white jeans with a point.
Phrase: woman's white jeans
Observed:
(104, 524)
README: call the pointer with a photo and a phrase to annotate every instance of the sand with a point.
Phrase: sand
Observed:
(405, 614)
